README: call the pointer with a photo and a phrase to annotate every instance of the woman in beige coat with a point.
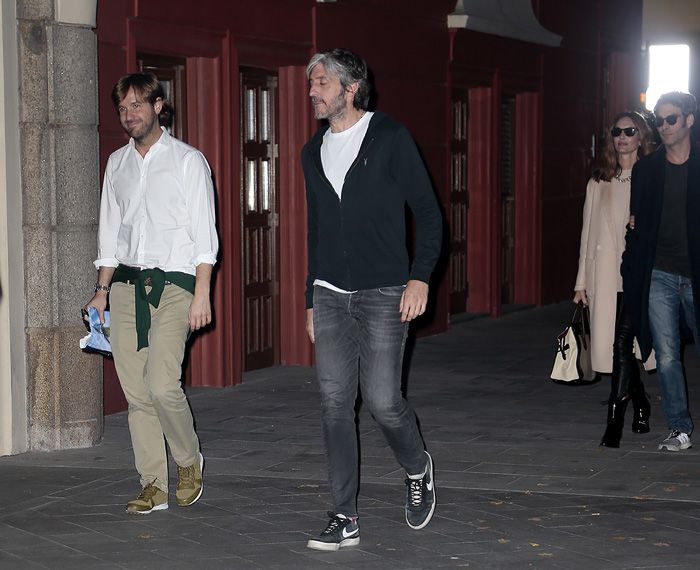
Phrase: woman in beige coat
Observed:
(599, 283)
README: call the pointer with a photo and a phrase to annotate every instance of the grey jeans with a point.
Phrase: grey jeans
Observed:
(360, 336)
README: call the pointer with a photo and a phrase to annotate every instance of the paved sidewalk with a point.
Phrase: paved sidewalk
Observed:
(521, 481)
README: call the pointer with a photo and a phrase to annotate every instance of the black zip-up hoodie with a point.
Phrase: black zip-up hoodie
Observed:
(359, 242)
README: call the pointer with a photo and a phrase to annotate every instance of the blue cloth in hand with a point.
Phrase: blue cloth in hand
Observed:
(98, 338)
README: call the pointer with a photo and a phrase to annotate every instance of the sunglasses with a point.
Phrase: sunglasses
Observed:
(670, 119)
(629, 131)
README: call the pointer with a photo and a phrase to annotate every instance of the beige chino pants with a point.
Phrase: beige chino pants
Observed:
(150, 379)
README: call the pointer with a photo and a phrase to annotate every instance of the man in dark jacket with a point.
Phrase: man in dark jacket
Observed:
(361, 170)
(661, 263)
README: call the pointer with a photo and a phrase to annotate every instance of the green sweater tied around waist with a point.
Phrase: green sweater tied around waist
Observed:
(155, 279)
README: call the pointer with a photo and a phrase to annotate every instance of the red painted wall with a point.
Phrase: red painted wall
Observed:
(415, 60)
(407, 53)
(575, 109)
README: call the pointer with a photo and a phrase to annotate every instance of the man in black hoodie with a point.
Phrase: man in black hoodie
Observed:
(361, 170)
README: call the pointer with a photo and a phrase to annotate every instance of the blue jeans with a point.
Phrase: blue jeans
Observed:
(360, 336)
(668, 296)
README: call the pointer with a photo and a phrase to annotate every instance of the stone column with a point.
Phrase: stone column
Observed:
(60, 187)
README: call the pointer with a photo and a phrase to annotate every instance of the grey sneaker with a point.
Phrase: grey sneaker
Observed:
(340, 532)
(676, 441)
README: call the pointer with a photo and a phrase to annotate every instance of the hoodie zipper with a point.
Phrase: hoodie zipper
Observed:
(361, 154)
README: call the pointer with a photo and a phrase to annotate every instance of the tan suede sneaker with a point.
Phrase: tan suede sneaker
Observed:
(189, 483)
(151, 498)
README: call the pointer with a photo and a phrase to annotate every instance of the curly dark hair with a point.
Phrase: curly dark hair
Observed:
(608, 164)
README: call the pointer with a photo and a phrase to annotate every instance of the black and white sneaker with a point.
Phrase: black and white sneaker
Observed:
(420, 497)
(340, 532)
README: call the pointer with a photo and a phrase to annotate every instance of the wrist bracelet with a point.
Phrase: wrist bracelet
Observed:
(104, 288)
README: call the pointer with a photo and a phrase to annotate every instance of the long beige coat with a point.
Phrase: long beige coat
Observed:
(605, 215)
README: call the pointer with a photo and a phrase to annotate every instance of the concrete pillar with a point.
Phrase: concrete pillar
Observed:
(60, 188)
(13, 386)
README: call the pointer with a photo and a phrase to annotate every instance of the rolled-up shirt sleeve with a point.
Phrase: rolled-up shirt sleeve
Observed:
(110, 221)
(200, 191)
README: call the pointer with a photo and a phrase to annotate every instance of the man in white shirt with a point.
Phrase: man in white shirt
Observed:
(157, 245)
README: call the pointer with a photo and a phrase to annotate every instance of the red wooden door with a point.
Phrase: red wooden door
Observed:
(171, 72)
(259, 219)
(459, 202)
(507, 182)
(172, 75)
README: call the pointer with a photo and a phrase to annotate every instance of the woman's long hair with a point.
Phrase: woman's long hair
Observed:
(608, 164)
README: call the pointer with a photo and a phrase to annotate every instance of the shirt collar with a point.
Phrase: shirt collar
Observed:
(164, 139)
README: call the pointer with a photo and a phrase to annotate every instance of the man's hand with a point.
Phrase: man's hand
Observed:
(200, 312)
(310, 324)
(414, 300)
(99, 301)
(100, 298)
(200, 308)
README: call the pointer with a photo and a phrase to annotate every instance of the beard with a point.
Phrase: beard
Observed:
(334, 109)
(140, 130)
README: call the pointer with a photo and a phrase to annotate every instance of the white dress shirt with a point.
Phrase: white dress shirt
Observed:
(157, 210)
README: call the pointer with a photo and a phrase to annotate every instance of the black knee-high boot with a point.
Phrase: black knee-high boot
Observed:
(626, 383)
(635, 387)
(642, 408)
(617, 404)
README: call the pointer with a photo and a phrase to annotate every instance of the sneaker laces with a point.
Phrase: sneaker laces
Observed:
(147, 493)
(334, 523)
(185, 477)
(415, 491)
(674, 433)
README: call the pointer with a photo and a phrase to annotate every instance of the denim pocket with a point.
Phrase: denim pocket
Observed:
(395, 291)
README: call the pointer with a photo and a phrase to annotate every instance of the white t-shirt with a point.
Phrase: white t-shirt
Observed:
(338, 152)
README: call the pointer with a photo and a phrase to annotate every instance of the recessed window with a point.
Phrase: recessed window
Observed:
(669, 70)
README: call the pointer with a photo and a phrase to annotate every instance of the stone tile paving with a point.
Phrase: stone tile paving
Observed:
(522, 482)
